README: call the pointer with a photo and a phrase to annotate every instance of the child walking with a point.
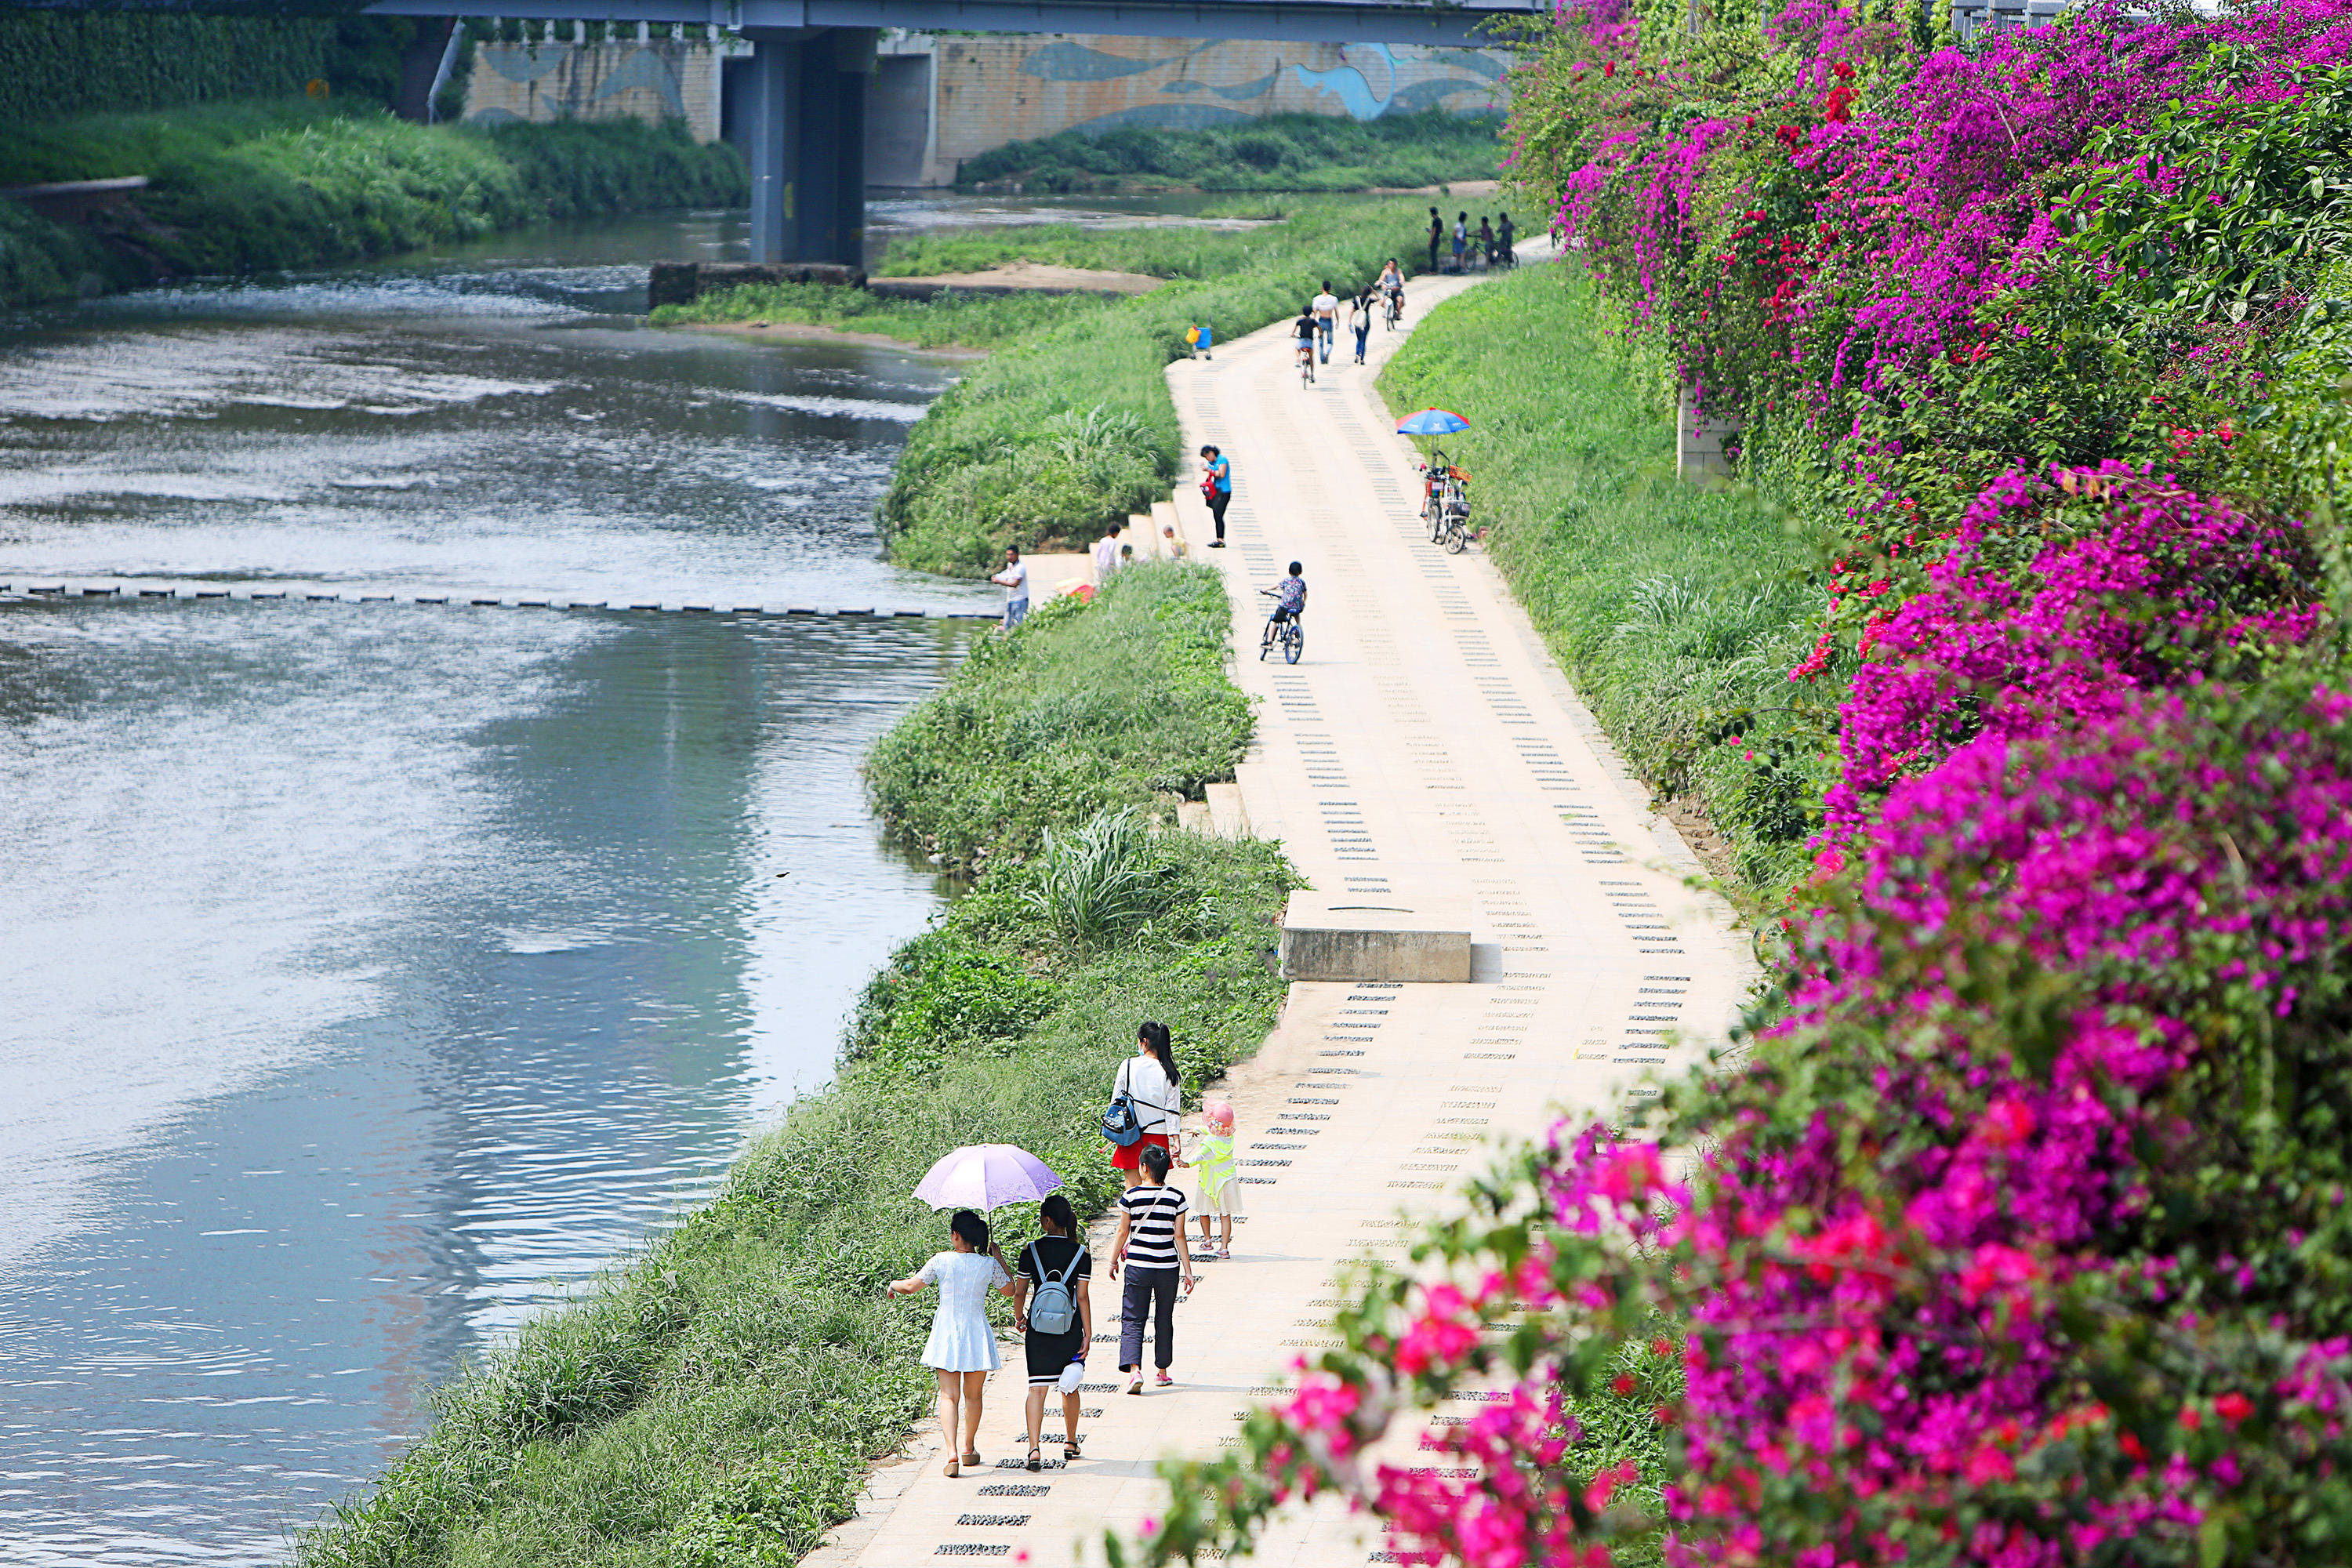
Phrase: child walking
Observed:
(1220, 1181)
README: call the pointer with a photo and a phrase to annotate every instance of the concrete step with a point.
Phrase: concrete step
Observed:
(1228, 816)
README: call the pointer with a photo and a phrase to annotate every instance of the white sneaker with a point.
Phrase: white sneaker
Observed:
(1071, 1373)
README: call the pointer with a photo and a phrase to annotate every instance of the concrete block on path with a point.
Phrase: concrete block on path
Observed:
(1227, 817)
(1362, 937)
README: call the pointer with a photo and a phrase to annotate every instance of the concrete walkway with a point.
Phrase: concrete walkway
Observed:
(1425, 752)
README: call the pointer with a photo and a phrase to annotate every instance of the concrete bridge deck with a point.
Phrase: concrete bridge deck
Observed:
(1426, 753)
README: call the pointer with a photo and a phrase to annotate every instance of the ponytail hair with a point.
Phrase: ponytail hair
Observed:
(1055, 1211)
(1162, 1050)
(1154, 1160)
(971, 1227)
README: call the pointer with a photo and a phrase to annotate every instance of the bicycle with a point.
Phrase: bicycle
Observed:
(1287, 635)
(1306, 362)
(1445, 502)
(1395, 311)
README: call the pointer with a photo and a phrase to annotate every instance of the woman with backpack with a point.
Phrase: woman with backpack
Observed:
(1051, 1310)
(962, 1350)
(1146, 1082)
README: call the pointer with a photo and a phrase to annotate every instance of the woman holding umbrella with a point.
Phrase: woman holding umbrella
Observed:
(962, 1350)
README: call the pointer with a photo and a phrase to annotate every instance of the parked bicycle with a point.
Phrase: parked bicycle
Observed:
(1445, 502)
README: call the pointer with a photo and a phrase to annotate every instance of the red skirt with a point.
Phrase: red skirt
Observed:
(1131, 1157)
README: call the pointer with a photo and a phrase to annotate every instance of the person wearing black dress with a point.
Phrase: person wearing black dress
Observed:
(1055, 1361)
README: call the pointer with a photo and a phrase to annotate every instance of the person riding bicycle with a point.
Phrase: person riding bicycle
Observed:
(1392, 285)
(1289, 601)
(1305, 329)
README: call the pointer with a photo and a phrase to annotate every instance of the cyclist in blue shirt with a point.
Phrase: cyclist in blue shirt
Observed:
(1217, 486)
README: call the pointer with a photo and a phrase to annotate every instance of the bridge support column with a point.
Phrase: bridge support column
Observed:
(807, 119)
(775, 122)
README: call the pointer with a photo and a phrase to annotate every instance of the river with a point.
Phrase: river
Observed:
(376, 971)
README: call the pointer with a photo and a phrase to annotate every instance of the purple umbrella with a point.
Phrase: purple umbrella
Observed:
(986, 1176)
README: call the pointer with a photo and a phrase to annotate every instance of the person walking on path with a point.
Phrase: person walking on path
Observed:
(1436, 233)
(1050, 1288)
(1210, 1157)
(1217, 484)
(962, 1351)
(1153, 1245)
(1149, 1081)
(1461, 237)
(1106, 554)
(1503, 233)
(1015, 579)
(1326, 307)
(1360, 318)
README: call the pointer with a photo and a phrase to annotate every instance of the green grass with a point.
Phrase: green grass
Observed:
(993, 462)
(714, 1401)
(951, 321)
(1123, 704)
(1676, 613)
(1277, 152)
(260, 186)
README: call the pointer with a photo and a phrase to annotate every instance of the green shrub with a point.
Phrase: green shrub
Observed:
(1084, 709)
(64, 61)
(952, 319)
(1099, 885)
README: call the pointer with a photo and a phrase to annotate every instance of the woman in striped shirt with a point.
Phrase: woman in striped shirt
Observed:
(1152, 1244)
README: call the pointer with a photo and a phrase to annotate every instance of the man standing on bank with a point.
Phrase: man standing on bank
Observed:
(1217, 484)
(1014, 579)
(1436, 233)
(1152, 1244)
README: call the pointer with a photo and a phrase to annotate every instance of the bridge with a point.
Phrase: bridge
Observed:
(811, 60)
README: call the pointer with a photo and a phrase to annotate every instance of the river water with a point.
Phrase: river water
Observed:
(374, 969)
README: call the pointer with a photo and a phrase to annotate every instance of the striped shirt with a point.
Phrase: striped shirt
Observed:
(1153, 1215)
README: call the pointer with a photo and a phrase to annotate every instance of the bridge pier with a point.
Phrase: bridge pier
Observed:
(808, 143)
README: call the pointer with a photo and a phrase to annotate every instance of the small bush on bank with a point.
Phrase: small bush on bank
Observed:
(1086, 708)
(1276, 152)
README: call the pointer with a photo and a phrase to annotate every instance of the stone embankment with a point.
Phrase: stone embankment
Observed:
(1426, 766)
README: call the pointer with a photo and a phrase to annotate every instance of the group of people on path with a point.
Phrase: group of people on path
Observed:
(1318, 320)
(1490, 244)
(1051, 1306)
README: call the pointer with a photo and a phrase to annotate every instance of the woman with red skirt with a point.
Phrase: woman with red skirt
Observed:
(1147, 1078)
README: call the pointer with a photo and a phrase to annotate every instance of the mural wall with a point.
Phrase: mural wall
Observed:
(992, 91)
(663, 78)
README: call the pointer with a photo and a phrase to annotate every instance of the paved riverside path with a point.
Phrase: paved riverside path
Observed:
(1424, 753)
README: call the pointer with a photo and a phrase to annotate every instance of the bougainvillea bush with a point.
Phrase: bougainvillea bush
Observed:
(2018, 1233)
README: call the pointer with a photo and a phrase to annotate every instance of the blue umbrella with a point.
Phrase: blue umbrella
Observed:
(1431, 422)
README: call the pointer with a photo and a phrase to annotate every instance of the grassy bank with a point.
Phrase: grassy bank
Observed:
(260, 186)
(1053, 436)
(1277, 152)
(714, 1401)
(952, 320)
(1676, 612)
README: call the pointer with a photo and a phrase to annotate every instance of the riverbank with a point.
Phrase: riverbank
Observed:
(717, 1398)
(1057, 435)
(1288, 152)
(1676, 611)
(274, 184)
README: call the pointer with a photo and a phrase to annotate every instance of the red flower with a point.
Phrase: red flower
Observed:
(2233, 1407)
(2130, 1443)
(1621, 1385)
(1790, 136)
(1609, 68)
(1843, 72)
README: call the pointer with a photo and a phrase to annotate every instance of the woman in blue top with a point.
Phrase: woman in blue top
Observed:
(1217, 484)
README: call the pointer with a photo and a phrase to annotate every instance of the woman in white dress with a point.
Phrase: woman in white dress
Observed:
(962, 1351)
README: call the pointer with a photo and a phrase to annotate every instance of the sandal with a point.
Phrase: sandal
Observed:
(1036, 1462)
(971, 1456)
(952, 1468)
(1069, 1451)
